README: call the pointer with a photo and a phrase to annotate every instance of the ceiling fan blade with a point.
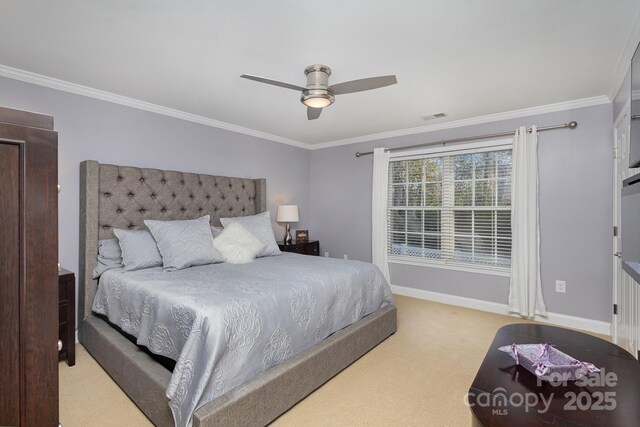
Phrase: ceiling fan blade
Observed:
(363, 84)
(313, 113)
(272, 82)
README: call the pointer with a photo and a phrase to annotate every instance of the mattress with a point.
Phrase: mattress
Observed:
(223, 324)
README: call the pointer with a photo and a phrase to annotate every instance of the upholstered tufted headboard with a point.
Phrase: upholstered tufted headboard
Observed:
(123, 197)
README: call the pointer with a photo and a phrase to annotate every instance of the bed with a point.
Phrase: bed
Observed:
(122, 197)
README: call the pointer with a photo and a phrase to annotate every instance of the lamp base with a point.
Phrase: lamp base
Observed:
(287, 237)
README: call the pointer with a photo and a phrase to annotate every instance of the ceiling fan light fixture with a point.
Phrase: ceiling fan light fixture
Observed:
(317, 98)
(317, 94)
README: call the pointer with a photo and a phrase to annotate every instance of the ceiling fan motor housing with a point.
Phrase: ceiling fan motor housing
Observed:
(317, 86)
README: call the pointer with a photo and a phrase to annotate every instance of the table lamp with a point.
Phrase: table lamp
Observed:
(287, 214)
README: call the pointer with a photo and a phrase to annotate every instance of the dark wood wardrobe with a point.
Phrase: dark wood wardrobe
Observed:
(28, 269)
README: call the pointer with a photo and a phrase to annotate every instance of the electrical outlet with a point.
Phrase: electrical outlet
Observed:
(345, 256)
(561, 286)
(326, 254)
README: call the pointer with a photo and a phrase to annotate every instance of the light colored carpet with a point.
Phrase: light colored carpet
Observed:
(417, 377)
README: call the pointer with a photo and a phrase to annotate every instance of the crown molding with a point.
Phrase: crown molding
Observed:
(52, 83)
(625, 58)
(514, 114)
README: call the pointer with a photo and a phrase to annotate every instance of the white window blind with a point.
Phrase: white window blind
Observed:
(452, 207)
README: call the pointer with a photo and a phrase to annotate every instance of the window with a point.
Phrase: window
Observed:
(452, 207)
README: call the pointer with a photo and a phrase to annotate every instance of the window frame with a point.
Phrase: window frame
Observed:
(450, 150)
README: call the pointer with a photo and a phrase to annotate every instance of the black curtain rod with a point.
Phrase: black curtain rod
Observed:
(570, 125)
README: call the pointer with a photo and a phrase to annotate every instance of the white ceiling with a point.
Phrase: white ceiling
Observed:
(465, 58)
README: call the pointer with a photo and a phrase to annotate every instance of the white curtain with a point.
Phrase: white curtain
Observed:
(525, 293)
(379, 210)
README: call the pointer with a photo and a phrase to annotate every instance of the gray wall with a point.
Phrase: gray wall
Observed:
(111, 133)
(576, 177)
(333, 188)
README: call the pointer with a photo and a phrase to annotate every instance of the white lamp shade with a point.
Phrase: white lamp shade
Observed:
(287, 213)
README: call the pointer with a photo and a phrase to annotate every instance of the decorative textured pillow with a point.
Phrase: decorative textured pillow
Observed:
(237, 244)
(184, 243)
(260, 226)
(139, 250)
(109, 256)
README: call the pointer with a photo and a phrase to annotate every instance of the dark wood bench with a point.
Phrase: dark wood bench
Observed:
(505, 394)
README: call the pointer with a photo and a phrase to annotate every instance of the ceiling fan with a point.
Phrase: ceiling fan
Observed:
(318, 94)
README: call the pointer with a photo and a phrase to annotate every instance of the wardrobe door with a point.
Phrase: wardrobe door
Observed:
(9, 280)
(28, 269)
(39, 332)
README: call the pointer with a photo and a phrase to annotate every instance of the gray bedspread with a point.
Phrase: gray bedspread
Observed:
(223, 324)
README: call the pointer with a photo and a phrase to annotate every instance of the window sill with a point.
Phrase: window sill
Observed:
(494, 271)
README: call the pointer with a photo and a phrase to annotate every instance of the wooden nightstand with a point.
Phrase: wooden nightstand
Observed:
(312, 247)
(67, 316)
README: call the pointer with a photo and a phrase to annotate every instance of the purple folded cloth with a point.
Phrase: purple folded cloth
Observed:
(547, 362)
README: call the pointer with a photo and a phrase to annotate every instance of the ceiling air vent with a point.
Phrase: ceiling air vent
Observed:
(433, 116)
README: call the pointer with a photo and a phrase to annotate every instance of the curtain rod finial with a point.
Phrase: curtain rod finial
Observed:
(573, 125)
(358, 154)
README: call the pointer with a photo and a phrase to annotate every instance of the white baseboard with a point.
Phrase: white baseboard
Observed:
(597, 326)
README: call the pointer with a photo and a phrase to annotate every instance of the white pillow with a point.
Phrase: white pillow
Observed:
(184, 243)
(237, 244)
(260, 226)
(139, 250)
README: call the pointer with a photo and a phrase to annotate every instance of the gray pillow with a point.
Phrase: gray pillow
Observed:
(215, 231)
(109, 257)
(260, 226)
(184, 243)
(139, 250)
